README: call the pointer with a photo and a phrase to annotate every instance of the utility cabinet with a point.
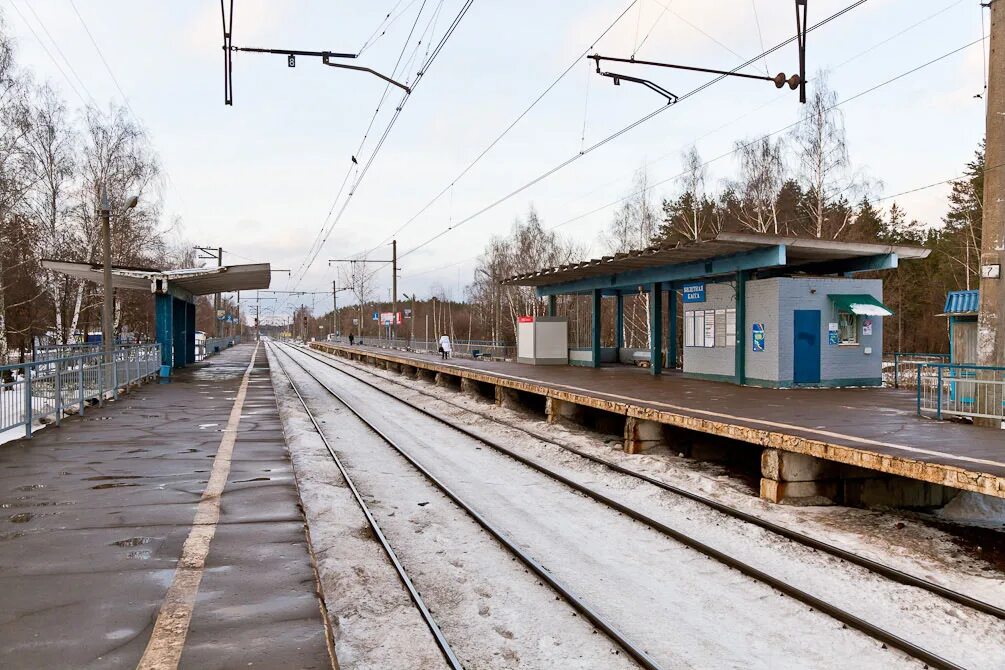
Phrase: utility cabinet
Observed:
(542, 340)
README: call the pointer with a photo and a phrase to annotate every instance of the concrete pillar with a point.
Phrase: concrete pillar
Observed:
(507, 398)
(561, 410)
(798, 479)
(470, 387)
(641, 434)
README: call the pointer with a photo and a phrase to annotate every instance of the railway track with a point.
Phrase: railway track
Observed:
(880, 634)
(573, 599)
(875, 567)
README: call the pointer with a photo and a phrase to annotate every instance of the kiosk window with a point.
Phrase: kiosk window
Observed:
(848, 327)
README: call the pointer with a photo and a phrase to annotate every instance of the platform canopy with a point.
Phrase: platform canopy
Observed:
(724, 254)
(193, 281)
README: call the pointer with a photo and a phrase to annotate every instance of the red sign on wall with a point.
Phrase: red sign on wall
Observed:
(525, 319)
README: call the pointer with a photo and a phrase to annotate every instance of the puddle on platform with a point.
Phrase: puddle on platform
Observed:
(136, 451)
(256, 479)
(112, 485)
(30, 487)
(21, 517)
(133, 542)
(204, 426)
(100, 478)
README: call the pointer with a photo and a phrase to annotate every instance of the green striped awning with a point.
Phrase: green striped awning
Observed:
(860, 303)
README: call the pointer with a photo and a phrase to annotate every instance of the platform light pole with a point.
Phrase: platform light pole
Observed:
(990, 328)
(106, 259)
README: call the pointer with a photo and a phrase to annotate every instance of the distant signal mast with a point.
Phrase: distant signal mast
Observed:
(291, 56)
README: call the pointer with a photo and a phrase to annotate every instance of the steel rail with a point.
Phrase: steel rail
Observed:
(837, 613)
(887, 571)
(580, 605)
(427, 617)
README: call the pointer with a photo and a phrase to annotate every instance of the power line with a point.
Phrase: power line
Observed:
(66, 60)
(510, 127)
(419, 78)
(626, 129)
(108, 68)
(49, 54)
(738, 148)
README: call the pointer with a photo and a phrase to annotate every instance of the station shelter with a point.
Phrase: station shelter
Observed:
(961, 308)
(174, 294)
(762, 310)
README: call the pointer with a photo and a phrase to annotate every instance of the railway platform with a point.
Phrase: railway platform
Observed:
(162, 530)
(858, 445)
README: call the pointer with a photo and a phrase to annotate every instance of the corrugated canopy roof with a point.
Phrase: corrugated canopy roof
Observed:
(197, 281)
(799, 251)
(962, 303)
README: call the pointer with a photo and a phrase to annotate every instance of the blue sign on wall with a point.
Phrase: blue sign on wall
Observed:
(757, 337)
(694, 292)
(376, 316)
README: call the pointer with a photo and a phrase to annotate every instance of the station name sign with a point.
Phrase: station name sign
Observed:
(694, 292)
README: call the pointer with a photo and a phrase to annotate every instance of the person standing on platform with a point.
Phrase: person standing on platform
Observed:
(351, 338)
(445, 346)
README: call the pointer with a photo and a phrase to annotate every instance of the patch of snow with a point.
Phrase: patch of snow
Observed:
(975, 508)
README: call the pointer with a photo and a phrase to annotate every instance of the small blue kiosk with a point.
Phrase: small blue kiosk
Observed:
(174, 292)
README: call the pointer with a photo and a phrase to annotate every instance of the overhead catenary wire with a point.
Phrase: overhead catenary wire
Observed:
(622, 131)
(427, 63)
(509, 127)
(101, 55)
(739, 147)
(48, 53)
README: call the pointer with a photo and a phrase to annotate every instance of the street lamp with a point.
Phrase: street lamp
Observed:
(106, 253)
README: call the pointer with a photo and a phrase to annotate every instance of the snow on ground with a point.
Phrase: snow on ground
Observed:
(492, 612)
(975, 508)
(950, 630)
(679, 605)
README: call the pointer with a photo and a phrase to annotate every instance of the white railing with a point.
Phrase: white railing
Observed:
(967, 391)
(901, 371)
(214, 345)
(51, 388)
(463, 348)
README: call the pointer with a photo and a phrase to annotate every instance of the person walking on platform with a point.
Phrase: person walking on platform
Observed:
(445, 346)
(351, 338)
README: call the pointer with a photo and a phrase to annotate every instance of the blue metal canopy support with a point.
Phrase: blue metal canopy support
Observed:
(595, 327)
(656, 328)
(619, 322)
(164, 308)
(740, 353)
(175, 331)
(189, 333)
(672, 321)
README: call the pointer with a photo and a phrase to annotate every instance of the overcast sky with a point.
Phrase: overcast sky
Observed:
(260, 178)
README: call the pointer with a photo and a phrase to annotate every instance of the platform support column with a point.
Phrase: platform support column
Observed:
(595, 340)
(672, 323)
(656, 328)
(740, 352)
(552, 305)
(164, 308)
(178, 331)
(189, 333)
(619, 322)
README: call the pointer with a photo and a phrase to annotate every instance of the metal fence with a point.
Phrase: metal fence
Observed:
(461, 348)
(214, 345)
(902, 368)
(967, 391)
(50, 388)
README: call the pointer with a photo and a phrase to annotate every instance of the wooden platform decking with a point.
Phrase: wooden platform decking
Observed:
(872, 428)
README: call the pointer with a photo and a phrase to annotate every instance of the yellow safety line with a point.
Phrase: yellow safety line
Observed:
(164, 649)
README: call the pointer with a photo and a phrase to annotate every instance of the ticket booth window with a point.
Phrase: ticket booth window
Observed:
(848, 327)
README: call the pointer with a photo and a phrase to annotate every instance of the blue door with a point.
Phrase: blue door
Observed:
(806, 347)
